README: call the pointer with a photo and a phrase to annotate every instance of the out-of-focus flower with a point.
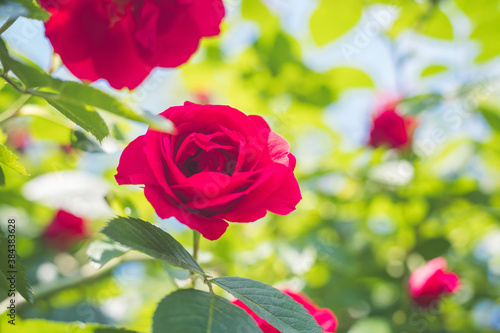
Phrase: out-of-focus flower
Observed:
(64, 231)
(19, 138)
(123, 40)
(428, 283)
(392, 129)
(324, 317)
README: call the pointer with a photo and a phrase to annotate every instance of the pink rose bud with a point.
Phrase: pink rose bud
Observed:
(324, 317)
(64, 231)
(428, 283)
(221, 165)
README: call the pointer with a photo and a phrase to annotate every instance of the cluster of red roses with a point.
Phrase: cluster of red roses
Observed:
(220, 165)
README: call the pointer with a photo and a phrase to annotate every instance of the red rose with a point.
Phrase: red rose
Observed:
(391, 129)
(65, 230)
(428, 283)
(324, 317)
(123, 40)
(220, 166)
(19, 138)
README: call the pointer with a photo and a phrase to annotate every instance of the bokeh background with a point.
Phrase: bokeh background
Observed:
(317, 71)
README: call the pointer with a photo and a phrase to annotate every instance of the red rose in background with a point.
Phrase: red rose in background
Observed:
(123, 40)
(324, 317)
(391, 129)
(65, 230)
(221, 165)
(19, 138)
(428, 283)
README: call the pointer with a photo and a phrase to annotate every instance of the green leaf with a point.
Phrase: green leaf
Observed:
(40, 325)
(8, 268)
(431, 22)
(31, 76)
(491, 117)
(85, 94)
(275, 307)
(257, 11)
(420, 103)
(47, 129)
(433, 69)
(26, 8)
(2, 178)
(369, 325)
(81, 142)
(9, 159)
(73, 95)
(148, 238)
(196, 311)
(333, 18)
(438, 25)
(103, 250)
(342, 78)
(82, 115)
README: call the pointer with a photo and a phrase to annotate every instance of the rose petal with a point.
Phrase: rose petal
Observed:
(166, 207)
(133, 167)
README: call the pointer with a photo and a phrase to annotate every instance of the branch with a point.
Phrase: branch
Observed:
(45, 291)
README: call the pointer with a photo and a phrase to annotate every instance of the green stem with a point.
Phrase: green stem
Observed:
(46, 291)
(196, 247)
(196, 244)
(22, 90)
(7, 25)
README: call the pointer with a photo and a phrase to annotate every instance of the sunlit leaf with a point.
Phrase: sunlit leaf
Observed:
(491, 117)
(81, 142)
(420, 103)
(433, 69)
(341, 78)
(196, 311)
(275, 307)
(2, 178)
(334, 18)
(82, 115)
(103, 250)
(151, 240)
(438, 25)
(10, 160)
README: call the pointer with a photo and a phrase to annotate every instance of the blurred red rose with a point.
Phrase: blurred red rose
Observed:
(19, 138)
(324, 317)
(123, 40)
(64, 231)
(428, 283)
(392, 130)
(221, 165)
